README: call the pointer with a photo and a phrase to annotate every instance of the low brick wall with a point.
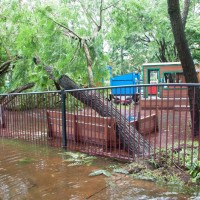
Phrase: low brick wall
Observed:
(174, 92)
(83, 128)
(146, 124)
(162, 103)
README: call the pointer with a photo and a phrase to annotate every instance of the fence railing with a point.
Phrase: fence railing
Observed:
(155, 121)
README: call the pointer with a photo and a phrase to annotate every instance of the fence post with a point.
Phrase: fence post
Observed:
(63, 108)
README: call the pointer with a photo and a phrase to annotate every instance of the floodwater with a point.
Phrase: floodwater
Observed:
(32, 172)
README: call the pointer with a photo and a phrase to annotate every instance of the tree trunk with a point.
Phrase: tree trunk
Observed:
(134, 142)
(186, 61)
(185, 11)
(89, 64)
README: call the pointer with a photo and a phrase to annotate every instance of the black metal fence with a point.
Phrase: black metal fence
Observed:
(158, 121)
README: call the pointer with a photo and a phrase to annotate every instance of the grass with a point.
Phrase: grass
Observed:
(184, 159)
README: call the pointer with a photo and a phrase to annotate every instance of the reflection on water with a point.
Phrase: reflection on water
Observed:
(32, 172)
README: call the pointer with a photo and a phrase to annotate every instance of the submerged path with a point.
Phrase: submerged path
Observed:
(33, 172)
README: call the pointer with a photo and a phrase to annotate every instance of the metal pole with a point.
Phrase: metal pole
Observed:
(63, 108)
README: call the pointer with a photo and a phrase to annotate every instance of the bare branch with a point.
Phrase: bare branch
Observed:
(87, 13)
(66, 33)
(111, 5)
(66, 28)
(100, 16)
(75, 53)
(120, 9)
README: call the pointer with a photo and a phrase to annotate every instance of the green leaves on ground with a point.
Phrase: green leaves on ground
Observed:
(107, 173)
(100, 172)
(76, 159)
(121, 171)
(194, 170)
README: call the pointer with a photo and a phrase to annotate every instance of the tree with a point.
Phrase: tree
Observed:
(186, 60)
(86, 29)
(25, 34)
(10, 58)
(138, 35)
(130, 34)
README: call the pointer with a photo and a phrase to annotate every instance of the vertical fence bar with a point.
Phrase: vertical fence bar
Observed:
(167, 124)
(185, 131)
(193, 124)
(199, 140)
(179, 127)
(63, 109)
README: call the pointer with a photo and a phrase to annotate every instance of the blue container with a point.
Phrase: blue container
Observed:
(126, 79)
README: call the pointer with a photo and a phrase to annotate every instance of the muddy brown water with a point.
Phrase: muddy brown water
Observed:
(33, 172)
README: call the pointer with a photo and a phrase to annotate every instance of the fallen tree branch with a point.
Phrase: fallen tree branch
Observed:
(8, 98)
(127, 134)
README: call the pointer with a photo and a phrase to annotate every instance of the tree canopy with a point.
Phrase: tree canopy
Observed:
(80, 38)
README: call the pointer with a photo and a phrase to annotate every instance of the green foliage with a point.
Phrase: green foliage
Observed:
(154, 163)
(107, 173)
(185, 159)
(100, 172)
(121, 171)
(138, 35)
(131, 34)
(194, 170)
(159, 176)
(193, 36)
(76, 159)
